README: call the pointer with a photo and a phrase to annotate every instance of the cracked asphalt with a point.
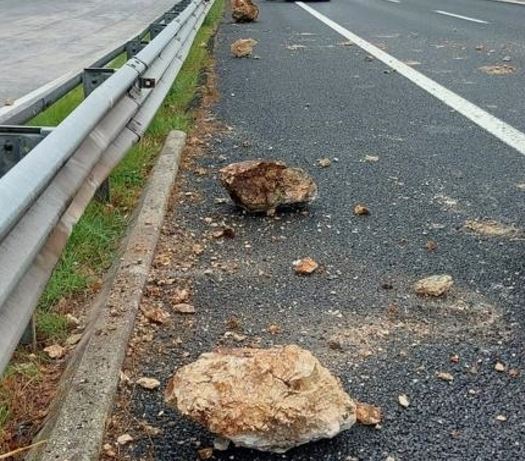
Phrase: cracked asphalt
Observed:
(435, 170)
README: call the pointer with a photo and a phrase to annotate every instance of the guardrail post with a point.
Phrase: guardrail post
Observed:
(92, 77)
(29, 336)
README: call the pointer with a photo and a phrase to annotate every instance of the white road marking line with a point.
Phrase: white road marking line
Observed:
(498, 128)
(466, 18)
(393, 1)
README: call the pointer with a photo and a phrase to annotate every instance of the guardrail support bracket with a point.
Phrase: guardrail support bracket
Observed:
(133, 47)
(155, 29)
(17, 141)
(92, 77)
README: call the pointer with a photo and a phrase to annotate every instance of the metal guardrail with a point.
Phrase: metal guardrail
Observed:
(46, 192)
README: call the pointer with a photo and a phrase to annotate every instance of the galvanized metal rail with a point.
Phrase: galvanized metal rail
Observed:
(46, 192)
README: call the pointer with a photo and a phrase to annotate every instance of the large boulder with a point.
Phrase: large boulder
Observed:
(262, 185)
(268, 399)
(244, 11)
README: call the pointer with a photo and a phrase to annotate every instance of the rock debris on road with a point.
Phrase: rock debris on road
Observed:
(439, 367)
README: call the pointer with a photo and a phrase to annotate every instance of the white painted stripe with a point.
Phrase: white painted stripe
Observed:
(393, 1)
(498, 128)
(466, 18)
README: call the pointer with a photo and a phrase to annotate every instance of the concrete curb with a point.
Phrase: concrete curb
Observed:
(75, 430)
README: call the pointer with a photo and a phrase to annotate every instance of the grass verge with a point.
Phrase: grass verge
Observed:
(93, 244)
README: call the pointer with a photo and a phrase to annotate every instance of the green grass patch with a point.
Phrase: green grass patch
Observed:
(51, 326)
(57, 112)
(4, 414)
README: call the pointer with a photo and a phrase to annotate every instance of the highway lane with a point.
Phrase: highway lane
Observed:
(309, 96)
(45, 39)
(449, 50)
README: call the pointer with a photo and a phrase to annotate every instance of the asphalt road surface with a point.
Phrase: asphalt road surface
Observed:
(41, 40)
(429, 169)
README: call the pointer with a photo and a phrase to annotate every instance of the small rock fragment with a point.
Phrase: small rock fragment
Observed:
(444, 376)
(267, 399)
(148, 383)
(124, 439)
(74, 339)
(180, 295)
(454, 358)
(221, 444)
(274, 329)
(235, 336)
(55, 351)
(263, 186)
(499, 367)
(324, 162)
(368, 414)
(403, 401)
(501, 418)
(109, 451)
(244, 11)
(124, 378)
(371, 159)
(335, 344)
(233, 323)
(197, 249)
(431, 246)
(498, 69)
(152, 431)
(490, 228)
(243, 47)
(361, 210)
(435, 285)
(205, 453)
(156, 315)
(305, 266)
(184, 308)
(514, 372)
(72, 320)
(226, 232)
